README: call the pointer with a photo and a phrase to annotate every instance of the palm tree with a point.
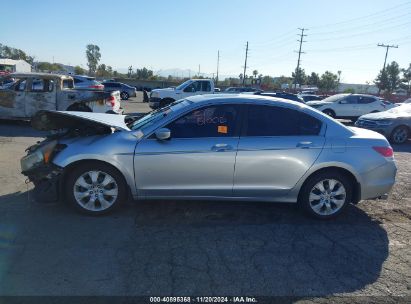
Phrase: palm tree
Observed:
(255, 73)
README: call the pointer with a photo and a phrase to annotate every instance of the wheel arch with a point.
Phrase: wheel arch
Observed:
(356, 186)
(69, 168)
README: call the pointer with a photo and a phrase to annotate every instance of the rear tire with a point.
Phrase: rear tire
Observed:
(326, 194)
(399, 135)
(95, 188)
(329, 112)
(124, 96)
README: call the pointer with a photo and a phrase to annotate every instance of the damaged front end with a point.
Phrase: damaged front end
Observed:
(39, 169)
(38, 164)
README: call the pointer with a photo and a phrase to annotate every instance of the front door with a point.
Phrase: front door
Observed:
(197, 161)
(40, 95)
(276, 148)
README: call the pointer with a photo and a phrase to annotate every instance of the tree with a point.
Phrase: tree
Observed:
(255, 73)
(93, 57)
(299, 76)
(406, 79)
(48, 67)
(313, 79)
(16, 54)
(328, 82)
(389, 78)
(78, 70)
(144, 73)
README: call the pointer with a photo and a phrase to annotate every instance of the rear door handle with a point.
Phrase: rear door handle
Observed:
(305, 144)
(221, 147)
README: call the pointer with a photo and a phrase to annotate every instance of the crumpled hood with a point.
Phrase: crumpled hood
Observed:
(55, 120)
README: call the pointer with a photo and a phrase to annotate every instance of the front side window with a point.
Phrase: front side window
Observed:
(68, 84)
(279, 121)
(212, 121)
(21, 85)
(351, 99)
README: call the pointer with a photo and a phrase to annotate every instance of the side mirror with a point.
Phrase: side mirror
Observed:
(163, 134)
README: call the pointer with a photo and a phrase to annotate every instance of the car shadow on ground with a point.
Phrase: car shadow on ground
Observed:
(18, 128)
(191, 248)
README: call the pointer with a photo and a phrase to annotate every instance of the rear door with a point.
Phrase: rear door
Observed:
(367, 104)
(277, 146)
(41, 95)
(348, 106)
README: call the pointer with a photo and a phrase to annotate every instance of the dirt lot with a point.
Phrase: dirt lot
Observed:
(200, 248)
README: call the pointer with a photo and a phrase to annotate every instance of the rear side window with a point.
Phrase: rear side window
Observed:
(213, 121)
(68, 84)
(279, 121)
(365, 100)
(205, 86)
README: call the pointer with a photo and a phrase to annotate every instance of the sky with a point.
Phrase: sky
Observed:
(180, 34)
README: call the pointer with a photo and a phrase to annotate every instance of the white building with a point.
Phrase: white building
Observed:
(10, 66)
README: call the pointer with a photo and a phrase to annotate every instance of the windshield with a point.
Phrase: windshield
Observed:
(334, 98)
(184, 84)
(154, 116)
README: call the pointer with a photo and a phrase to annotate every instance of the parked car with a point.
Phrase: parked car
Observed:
(350, 106)
(161, 97)
(309, 97)
(221, 147)
(236, 90)
(283, 95)
(395, 124)
(31, 92)
(87, 82)
(407, 100)
(126, 91)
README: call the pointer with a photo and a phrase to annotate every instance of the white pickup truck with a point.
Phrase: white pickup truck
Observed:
(162, 97)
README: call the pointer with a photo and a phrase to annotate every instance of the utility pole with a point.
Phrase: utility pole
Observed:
(297, 70)
(385, 60)
(198, 70)
(218, 64)
(245, 63)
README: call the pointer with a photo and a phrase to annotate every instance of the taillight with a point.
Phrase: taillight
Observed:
(98, 87)
(384, 151)
(111, 101)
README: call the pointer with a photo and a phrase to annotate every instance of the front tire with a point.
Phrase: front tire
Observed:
(399, 135)
(329, 112)
(124, 96)
(325, 195)
(95, 188)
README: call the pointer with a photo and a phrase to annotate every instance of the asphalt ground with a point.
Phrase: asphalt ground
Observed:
(192, 248)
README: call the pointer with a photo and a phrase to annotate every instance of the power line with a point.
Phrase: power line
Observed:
(245, 63)
(297, 70)
(387, 46)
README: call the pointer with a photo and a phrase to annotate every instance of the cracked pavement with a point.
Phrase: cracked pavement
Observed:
(202, 248)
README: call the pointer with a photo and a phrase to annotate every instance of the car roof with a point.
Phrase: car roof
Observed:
(243, 98)
(42, 75)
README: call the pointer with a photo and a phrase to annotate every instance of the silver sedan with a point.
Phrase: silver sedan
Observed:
(212, 147)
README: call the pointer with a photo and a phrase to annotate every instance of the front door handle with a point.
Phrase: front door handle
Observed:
(305, 144)
(221, 147)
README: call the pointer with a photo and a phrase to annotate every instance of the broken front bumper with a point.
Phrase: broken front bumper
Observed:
(46, 180)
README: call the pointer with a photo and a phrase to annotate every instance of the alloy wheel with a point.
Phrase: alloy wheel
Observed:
(95, 190)
(400, 135)
(327, 197)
